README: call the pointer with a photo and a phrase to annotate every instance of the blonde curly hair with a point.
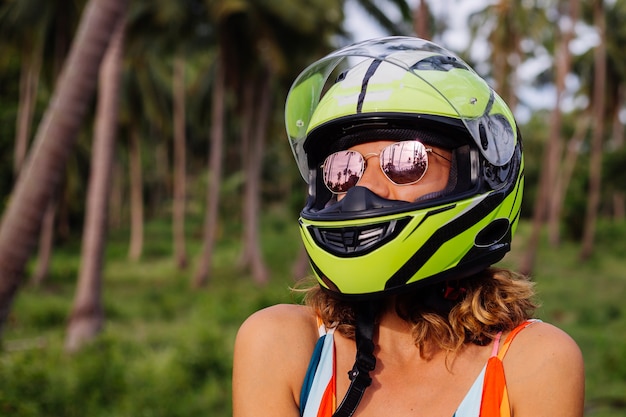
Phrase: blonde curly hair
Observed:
(491, 301)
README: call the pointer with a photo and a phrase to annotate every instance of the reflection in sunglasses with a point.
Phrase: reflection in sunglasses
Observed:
(403, 163)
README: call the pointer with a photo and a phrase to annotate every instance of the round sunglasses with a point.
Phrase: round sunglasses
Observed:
(403, 163)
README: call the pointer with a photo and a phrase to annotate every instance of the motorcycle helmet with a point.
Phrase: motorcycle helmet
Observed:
(363, 246)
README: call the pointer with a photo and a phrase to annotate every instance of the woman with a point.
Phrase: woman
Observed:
(415, 175)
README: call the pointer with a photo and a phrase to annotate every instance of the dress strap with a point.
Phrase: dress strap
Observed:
(511, 336)
(495, 397)
(318, 387)
(322, 329)
(496, 344)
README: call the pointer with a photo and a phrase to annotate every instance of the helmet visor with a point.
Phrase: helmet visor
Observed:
(445, 86)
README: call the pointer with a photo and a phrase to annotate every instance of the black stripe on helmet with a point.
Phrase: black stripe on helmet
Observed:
(366, 79)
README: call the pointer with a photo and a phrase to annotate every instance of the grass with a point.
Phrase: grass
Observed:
(166, 349)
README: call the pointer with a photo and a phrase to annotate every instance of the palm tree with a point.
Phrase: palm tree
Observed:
(135, 248)
(87, 316)
(563, 66)
(143, 112)
(29, 24)
(54, 141)
(617, 144)
(61, 29)
(421, 19)
(549, 196)
(209, 230)
(616, 91)
(27, 28)
(166, 35)
(258, 115)
(595, 162)
(180, 160)
(614, 102)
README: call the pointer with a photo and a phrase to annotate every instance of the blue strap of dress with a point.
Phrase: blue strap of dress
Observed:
(310, 373)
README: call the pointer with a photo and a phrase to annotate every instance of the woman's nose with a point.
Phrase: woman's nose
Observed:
(374, 179)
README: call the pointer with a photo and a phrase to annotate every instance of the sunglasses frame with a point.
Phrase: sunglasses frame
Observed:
(364, 159)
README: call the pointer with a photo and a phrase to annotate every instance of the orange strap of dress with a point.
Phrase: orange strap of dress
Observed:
(495, 397)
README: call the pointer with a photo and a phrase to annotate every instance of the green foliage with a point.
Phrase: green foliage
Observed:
(167, 349)
(614, 173)
(575, 204)
(533, 140)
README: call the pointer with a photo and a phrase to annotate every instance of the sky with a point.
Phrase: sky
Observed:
(362, 26)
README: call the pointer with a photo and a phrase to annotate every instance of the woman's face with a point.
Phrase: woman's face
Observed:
(435, 178)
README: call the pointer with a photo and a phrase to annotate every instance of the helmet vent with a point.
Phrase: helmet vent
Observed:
(495, 232)
(357, 240)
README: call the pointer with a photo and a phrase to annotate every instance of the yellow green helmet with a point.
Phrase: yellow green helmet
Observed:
(404, 88)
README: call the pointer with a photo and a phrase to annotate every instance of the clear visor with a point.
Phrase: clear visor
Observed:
(490, 123)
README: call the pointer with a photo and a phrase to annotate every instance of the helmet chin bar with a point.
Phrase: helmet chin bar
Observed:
(358, 240)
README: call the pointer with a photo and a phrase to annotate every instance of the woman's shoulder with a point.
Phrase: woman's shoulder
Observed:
(546, 364)
(287, 328)
(281, 318)
(278, 316)
(272, 351)
(539, 339)
(280, 326)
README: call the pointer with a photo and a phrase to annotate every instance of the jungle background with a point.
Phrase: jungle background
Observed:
(149, 197)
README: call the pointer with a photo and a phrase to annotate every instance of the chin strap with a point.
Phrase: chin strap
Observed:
(365, 360)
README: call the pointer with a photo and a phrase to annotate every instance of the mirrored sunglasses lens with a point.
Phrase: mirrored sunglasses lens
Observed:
(404, 162)
(342, 170)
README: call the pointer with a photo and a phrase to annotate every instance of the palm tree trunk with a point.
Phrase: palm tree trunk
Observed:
(252, 195)
(505, 43)
(136, 197)
(162, 168)
(218, 112)
(563, 66)
(54, 141)
(619, 199)
(29, 80)
(46, 241)
(595, 162)
(87, 316)
(116, 197)
(421, 20)
(551, 157)
(180, 162)
(248, 113)
(563, 180)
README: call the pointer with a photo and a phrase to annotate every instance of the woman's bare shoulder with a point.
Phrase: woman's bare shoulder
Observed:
(272, 352)
(545, 363)
(542, 339)
(281, 318)
(283, 327)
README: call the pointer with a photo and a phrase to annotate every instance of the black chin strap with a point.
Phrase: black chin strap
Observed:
(365, 360)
